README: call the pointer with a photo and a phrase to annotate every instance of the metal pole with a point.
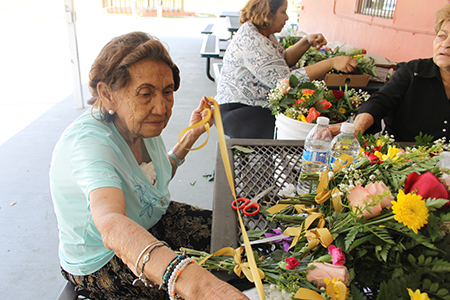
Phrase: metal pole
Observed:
(73, 44)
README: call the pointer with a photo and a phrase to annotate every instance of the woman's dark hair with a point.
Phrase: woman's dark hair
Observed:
(260, 12)
(111, 65)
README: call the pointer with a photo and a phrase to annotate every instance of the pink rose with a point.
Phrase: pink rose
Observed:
(337, 255)
(325, 270)
(378, 188)
(292, 263)
(364, 198)
(284, 86)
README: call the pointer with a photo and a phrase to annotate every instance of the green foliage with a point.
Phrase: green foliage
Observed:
(365, 64)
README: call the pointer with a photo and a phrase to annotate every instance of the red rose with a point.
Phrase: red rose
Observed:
(338, 94)
(427, 185)
(292, 263)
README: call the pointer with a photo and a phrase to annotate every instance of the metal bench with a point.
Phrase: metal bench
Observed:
(208, 29)
(210, 49)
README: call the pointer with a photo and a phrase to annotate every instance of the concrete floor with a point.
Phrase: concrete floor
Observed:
(37, 105)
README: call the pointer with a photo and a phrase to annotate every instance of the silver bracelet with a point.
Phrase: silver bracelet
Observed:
(146, 258)
(178, 162)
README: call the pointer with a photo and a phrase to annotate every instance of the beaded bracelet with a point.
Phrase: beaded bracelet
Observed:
(174, 276)
(169, 269)
(145, 259)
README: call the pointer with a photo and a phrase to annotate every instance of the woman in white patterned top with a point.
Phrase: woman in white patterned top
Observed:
(255, 61)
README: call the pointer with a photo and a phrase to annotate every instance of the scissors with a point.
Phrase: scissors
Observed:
(249, 207)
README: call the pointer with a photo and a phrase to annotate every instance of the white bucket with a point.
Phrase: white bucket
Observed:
(290, 129)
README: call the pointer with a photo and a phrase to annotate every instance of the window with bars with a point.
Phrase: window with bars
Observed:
(376, 8)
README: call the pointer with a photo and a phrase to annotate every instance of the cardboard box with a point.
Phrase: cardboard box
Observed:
(353, 80)
(384, 68)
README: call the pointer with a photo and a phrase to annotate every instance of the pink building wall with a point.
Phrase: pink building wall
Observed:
(407, 36)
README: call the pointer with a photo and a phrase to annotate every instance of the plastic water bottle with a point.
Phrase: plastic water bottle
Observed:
(316, 148)
(344, 143)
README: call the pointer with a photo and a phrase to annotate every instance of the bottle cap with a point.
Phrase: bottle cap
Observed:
(348, 128)
(323, 121)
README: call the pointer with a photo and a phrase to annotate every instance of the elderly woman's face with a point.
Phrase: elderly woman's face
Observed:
(441, 47)
(145, 104)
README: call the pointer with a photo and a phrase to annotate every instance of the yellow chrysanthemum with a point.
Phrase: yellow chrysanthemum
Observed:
(302, 118)
(410, 210)
(288, 115)
(417, 295)
(342, 110)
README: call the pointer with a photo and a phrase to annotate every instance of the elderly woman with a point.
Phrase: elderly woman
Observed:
(109, 181)
(255, 61)
(416, 98)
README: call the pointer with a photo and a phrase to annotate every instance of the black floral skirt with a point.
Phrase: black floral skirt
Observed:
(182, 226)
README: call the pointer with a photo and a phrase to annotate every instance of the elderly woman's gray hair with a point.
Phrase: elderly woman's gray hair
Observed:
(442, 16)
(111, 65)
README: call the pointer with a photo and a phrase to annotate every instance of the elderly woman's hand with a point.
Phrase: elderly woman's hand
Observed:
(344, 64)
(316, 40)
(199, 114)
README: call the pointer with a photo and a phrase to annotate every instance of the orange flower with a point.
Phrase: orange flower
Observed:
(299, 101)
(312, 115)
(323, 104)
(308, 92)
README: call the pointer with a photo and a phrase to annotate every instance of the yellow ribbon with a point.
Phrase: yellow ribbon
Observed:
(337, 202)
(343, 161)
(296, 232)
(204, 121)
(276, 208)
(307, 294)
(240, 266)
(226, 162)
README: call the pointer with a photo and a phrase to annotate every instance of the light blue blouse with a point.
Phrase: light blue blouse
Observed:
(89, 155)
(252, 65)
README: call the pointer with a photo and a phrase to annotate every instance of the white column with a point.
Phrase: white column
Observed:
(73, 44)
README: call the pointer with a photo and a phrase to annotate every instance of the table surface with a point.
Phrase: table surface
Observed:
(233, 24)
(230, 14)
(270, 163)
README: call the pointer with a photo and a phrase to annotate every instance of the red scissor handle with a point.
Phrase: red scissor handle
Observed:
(237, 202)
(248, 209)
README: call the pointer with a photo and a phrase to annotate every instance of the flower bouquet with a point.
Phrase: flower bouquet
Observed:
(308, 100)
(378, 229)
(365, 64)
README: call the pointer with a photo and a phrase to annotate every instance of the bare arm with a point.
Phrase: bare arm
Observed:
(128, 239)
(362, 122)
(296, 51)
(188, 139)
(340, 63)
